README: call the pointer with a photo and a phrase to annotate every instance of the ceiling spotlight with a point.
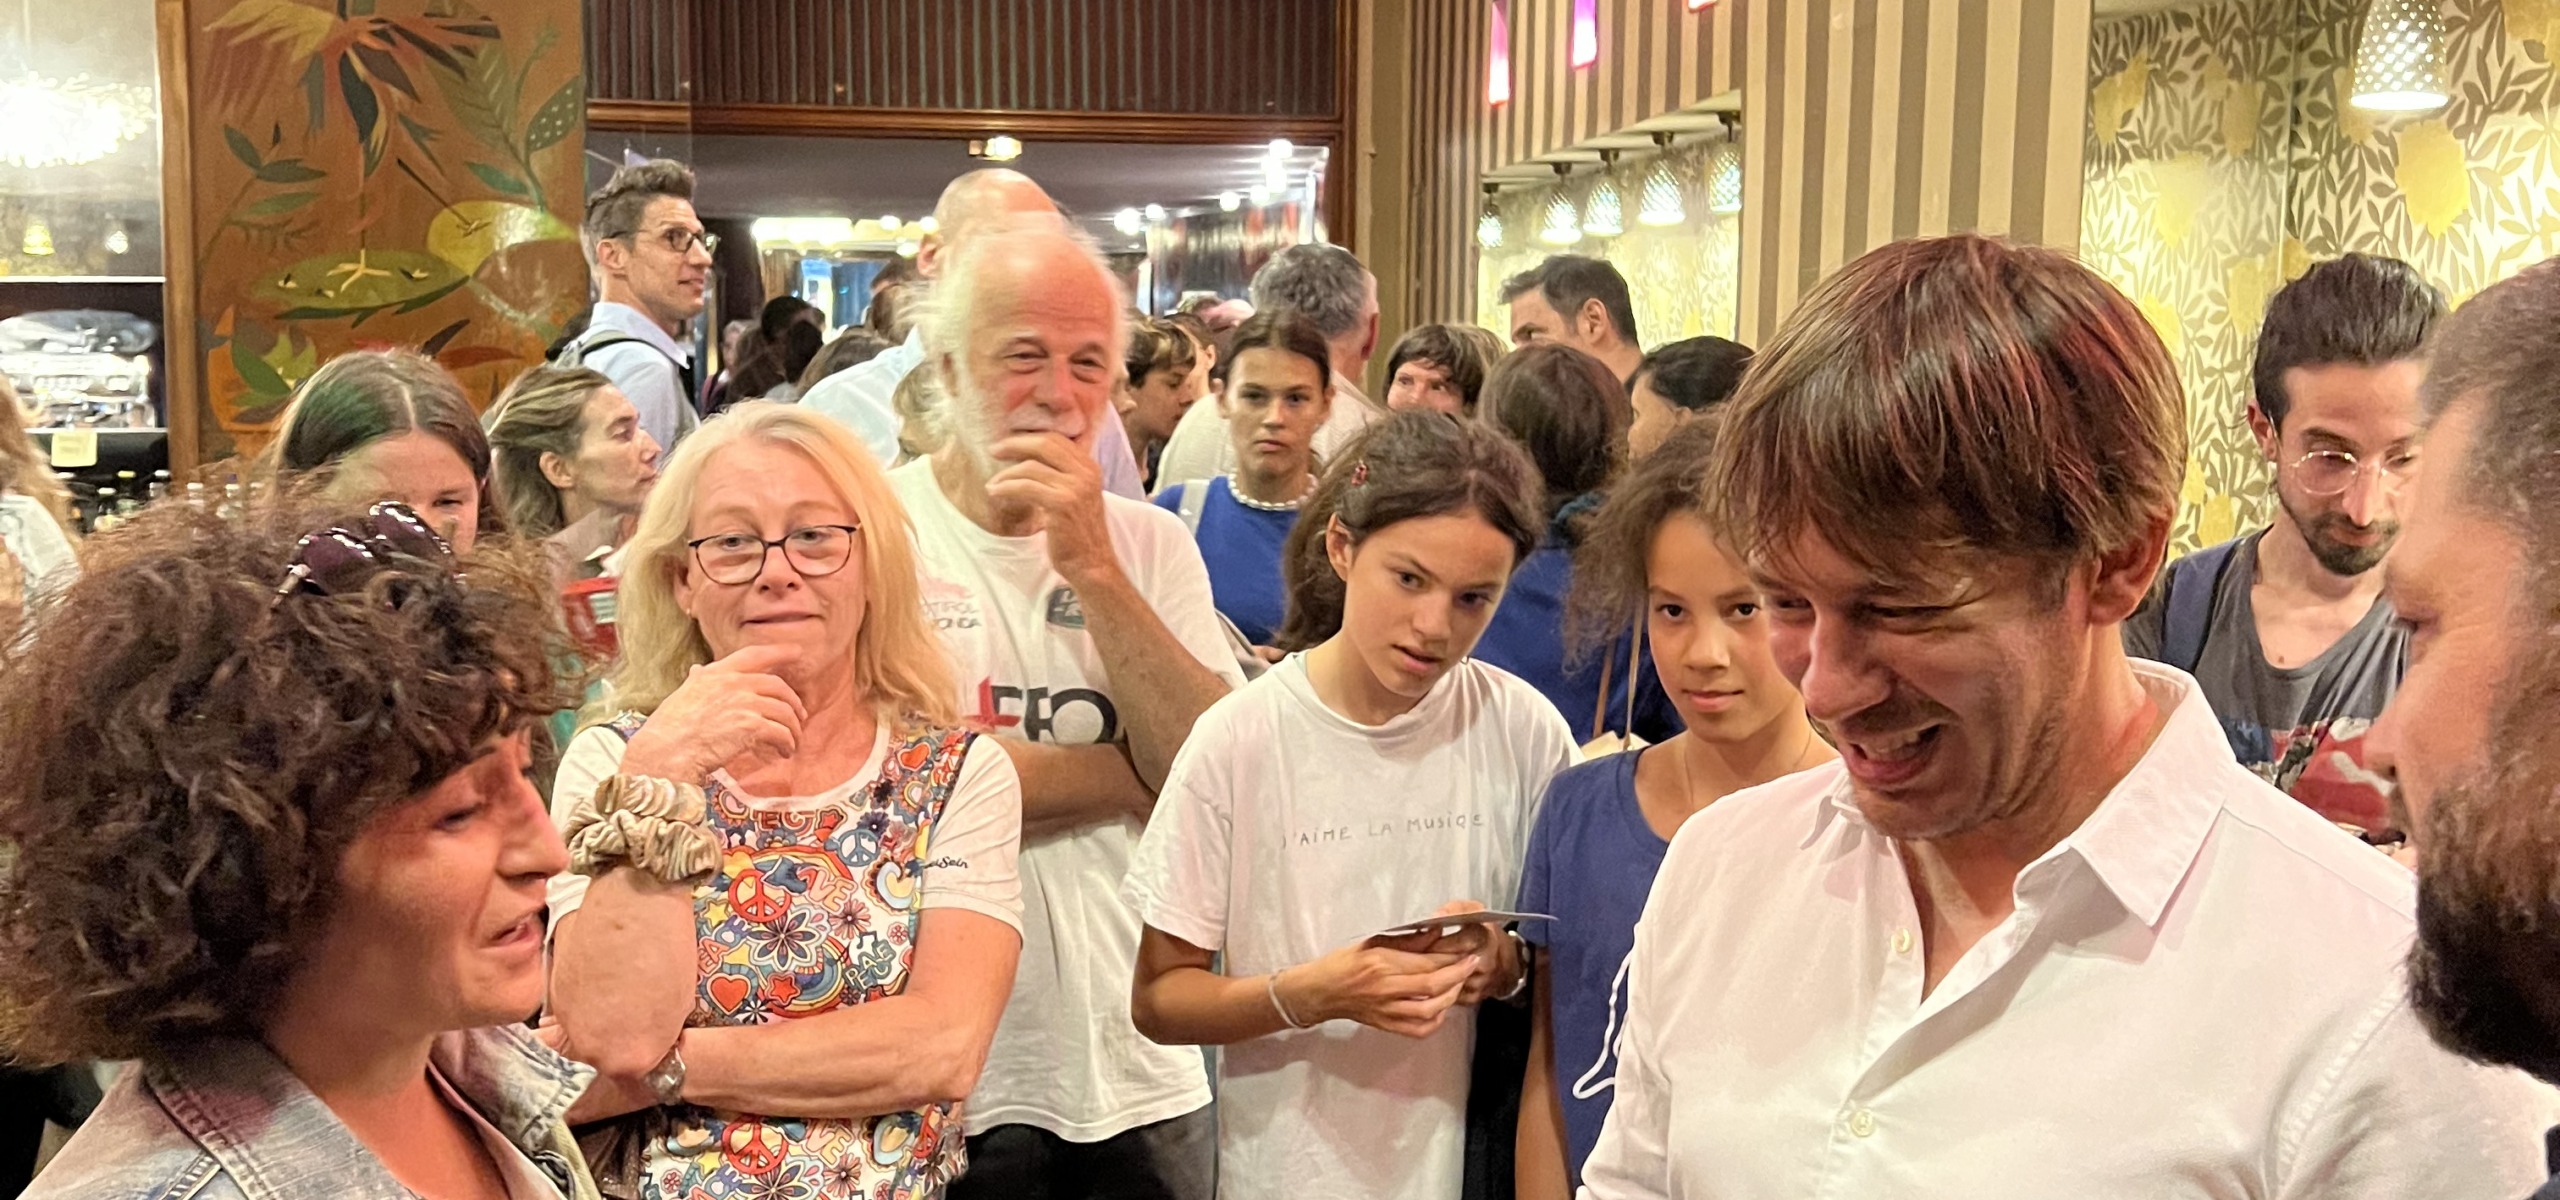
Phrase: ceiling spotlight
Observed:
(1489, 223)
(1229, 201)
(1154, 213)
(1603, 211)
(1275, 175)
(1129, 221)
(1280, 148)
(908, 249)
(930, 224)
(1000, 148)
(1563, 225)
(1724, 178)
(1258, 194)
(890, 223)
(1662, 204)
(2400, 57)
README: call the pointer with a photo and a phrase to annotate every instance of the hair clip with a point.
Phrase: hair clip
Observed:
(1360, 473)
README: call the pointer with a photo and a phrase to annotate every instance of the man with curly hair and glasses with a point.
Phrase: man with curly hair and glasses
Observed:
(2286, 628)
(252, 852)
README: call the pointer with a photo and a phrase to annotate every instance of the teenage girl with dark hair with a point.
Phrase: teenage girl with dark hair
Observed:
(1379, 777)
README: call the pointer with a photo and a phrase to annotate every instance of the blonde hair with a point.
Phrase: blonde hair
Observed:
(23, 470)
(898, 662)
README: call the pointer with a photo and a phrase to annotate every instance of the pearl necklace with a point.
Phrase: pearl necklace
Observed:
(1271, 505)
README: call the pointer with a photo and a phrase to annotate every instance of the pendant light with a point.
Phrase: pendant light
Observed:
(1564, 225)
(1662, 204)
(1724, 172)
(1604, 211)
(2400, 57)
(1489, 223)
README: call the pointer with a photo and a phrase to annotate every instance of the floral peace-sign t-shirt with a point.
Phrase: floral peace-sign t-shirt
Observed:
(813, 907)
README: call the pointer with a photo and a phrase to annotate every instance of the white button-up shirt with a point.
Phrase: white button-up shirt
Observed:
(2198, 995)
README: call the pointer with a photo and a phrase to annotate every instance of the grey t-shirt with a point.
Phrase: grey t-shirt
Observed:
(2300, 728)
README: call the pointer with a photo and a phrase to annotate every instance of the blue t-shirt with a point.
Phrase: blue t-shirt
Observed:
(1242, 547)
(1526, 638)
(1591, 862)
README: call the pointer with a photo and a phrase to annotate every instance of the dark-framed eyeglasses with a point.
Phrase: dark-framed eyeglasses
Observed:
(2329, 472)
(340, 560)
(815, 551)
(679, 240)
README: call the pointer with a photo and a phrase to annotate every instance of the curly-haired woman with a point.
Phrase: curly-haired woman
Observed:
(252, 851)
(795, 916)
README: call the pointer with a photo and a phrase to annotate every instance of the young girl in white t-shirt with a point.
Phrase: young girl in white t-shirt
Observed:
(1379, 777)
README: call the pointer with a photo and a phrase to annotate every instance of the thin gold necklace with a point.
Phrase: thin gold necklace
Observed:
(1689, 781)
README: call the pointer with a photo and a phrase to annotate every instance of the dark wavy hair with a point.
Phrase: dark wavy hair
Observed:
(1567, 411)
(189, 758)
(1405, 465)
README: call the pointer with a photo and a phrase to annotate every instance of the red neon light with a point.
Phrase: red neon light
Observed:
(1497, 72)
(1586, 33)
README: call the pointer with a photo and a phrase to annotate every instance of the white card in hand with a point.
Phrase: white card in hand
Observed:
(1482, 916)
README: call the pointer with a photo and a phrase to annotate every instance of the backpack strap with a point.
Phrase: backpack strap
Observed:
(2193, 581)
(1195, 500)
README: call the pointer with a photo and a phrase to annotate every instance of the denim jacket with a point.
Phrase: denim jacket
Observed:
(228, 1121)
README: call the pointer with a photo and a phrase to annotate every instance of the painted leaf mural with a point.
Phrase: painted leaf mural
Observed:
(380, 172)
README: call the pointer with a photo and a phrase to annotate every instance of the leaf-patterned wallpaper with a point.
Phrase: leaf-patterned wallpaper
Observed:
(1684, 279)
(2223, 160)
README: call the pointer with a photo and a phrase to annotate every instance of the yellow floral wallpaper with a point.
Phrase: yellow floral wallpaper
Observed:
(2223, 160)
(1685, 279)
(2185, 210)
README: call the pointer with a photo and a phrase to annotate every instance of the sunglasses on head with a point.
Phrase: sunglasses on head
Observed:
(339, 561)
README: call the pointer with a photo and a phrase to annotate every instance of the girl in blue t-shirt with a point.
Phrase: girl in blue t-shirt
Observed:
(1603, 828)
(1275, 389)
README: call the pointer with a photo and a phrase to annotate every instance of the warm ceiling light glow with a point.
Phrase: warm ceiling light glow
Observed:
(1489, 231)
(890, 223)
(1662, 204)
(1154, 213)
(1603, 212)
(1259, 194)
(1724, 179)
(1229, 202)
(1129, 221)
(1497, 72)
(1585, 47)
(1000, 148)
(806, 231)
(2400, 57)
(930, 224)
(1564, 226)
(1695, 5)
(64, 122)
(1280, 148)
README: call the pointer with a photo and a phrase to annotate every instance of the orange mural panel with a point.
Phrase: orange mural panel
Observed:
(379, 173)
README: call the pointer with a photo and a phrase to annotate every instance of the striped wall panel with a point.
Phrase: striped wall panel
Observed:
(1263, 58)
(1863, 121)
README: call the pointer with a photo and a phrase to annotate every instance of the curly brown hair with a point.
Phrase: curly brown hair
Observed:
(189, 758)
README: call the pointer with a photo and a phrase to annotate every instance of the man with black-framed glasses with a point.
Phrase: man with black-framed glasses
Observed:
(652, 263)
(2286, 628)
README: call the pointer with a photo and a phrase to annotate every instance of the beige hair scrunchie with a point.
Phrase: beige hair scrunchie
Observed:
(653, 824)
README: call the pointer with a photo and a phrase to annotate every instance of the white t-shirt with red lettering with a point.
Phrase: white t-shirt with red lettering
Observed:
(1066, 1057)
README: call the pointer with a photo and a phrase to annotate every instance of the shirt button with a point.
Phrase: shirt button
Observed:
(1902, 941)
(1862, 1123)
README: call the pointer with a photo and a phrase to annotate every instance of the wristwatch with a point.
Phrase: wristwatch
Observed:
(1528, 959)
(666, 1079)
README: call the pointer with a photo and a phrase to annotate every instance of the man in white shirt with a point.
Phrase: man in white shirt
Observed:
(2468, 737)
(1328, 286)
(1084, 636)
(2036, 934)
(652, 261)
(863, 396)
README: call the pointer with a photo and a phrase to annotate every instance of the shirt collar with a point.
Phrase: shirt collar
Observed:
(271, 1135)
(2147, 831)
(622, 318)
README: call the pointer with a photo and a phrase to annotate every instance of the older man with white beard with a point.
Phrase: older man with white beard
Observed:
(862, 397)
(1084, 635)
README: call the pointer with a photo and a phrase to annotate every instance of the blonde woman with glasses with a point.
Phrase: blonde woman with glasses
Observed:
(793, 914)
